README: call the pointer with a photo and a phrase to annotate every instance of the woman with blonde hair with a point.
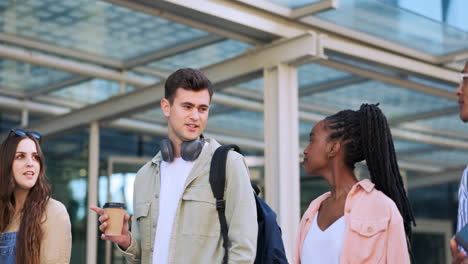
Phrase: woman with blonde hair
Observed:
(34, 228)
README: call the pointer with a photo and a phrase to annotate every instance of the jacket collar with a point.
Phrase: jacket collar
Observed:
(365, 184)
(202, 163)
(157, 158)
(315, 205)
(212, 146)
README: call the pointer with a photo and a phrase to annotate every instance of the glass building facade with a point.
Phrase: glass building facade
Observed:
(81, 70)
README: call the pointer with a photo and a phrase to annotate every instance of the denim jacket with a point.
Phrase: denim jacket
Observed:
(196, 236)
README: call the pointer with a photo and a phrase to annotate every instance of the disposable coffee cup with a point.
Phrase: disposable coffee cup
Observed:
(116, 212)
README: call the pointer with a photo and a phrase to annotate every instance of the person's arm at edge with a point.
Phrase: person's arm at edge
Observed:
(458, 256)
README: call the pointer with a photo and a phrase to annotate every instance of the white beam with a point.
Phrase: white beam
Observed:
(429, 139)
(76, 67)
(186, 19)
(171, 51)
(268, 21)
(57, 86)
(450, 175)
(268, 6)
(413, 166)
(292, 13)
(427, 129)
(295, 50)
(392, 60)
(390, 79)
(119, 105)
(424, 115)
(314, 8)
(242, 15)
(151, 71)
(330, 84)
(25, 115)
(33, 107)
(53, 49)
(74, 54)
(287, 51)
(347, 34)
(453, 57)
(93, 174)
(161, 130)
(281, 149)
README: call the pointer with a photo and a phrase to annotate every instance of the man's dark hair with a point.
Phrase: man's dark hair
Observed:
(366, 136)
(188, 79)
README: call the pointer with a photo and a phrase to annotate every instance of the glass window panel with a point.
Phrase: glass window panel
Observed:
(25, 77)
(202, 57)
(440, 85)
(157, 115)
(8, 120)
(401, 75)
(399, 25)
(147, 76)
(434, 202)
(451, 123)
(444, 157)
(67, 171)
(394, 101)
(448, 12)
(311, 188)
(405, 145)
(250, 90)
(89, 92)
(153, 114)
(243, 122)
(304, 130)
(94, 26)
(311, 74)
(294, 3)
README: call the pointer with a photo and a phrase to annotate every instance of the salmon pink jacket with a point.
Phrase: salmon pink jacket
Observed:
(374, 227)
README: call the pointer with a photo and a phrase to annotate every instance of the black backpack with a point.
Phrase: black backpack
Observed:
(270, 248)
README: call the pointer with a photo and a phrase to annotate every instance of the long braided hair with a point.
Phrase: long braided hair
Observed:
(366, 136)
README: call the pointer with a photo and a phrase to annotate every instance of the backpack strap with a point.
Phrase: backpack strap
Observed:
(217, 183)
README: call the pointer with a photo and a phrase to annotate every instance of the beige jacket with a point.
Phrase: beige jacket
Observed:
(57, 240)
(196, 234)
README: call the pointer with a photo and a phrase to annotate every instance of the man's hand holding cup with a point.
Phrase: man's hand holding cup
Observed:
(114, 224)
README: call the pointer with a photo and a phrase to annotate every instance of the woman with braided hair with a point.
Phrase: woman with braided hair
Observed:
(367, 221)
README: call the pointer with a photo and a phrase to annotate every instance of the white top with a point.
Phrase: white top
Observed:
(324, 247)
(173, 177)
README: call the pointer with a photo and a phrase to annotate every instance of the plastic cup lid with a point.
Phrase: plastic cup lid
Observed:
(115, 205)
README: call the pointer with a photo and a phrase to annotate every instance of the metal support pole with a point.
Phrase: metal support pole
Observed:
(25, 114)
(93, 172)
(282, 149)
(110, 170)
(122, 83)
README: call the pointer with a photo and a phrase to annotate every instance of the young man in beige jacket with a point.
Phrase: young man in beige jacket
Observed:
(175, 218)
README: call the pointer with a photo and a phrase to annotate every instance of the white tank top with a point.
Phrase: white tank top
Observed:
(323, 247)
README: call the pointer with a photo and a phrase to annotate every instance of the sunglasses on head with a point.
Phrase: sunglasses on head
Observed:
(23, 133)
(463, 76)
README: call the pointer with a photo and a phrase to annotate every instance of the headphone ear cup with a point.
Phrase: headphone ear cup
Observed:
(191, 149)
(167, 151)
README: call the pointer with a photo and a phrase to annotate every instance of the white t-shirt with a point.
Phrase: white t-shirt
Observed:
(173, 177)
(323, 247)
